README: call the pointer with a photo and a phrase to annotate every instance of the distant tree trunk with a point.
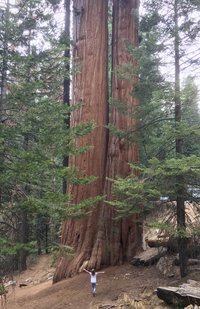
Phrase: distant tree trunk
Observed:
(42, 234)
(4, 69)
(23, 232)
(181, 223)
(39, 235)
(66, 83)
(4, 55)
(23, 224)
(99, 240)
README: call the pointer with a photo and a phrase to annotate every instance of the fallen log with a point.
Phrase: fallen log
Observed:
(193, 249)
(169, 243)
(148, 257)
(107, 306)
(22, 285)
(182, 296)
(155, 243)
(189, 262)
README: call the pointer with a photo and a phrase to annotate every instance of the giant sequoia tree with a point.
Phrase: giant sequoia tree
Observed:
(98, 239)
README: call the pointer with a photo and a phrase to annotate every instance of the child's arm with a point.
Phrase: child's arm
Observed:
(86, 270)
(100, 272)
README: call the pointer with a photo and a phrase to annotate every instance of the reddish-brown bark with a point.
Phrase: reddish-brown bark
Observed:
(99, 239)
(89, 87)
(117, 241)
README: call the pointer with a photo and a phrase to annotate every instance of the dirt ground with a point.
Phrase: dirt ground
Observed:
(116, 286)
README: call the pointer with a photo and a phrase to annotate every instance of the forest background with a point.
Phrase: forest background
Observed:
(152, 122)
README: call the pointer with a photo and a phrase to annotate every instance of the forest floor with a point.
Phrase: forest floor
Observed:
(118, 285)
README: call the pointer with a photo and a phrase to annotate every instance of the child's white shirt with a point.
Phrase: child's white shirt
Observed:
(93, 278)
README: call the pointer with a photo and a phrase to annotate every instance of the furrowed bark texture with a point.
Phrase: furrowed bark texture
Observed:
(100, 240)
(90, 88)
(124, 235)
(118, 240)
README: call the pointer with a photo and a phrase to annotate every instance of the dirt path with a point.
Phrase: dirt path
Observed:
(116, 284)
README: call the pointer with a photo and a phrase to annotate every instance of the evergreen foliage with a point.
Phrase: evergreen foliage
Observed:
(34, 136)
(156, 112)
(168, 115)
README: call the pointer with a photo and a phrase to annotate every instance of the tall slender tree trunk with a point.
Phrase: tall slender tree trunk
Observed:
(23, 214)
(181, 222)
(100, 240)
(23, 220)
(4, 71)
(23, 238)
(66, 83)
(4, 65)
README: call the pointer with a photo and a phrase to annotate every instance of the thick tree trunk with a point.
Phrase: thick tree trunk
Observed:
(90, 88)
(123, 151)
(100, 240)
(118, 240)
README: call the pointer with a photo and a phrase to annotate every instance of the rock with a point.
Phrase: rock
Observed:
(166, 266)
(185, 295)
(10, 283)
(148, 257)
(29, 280)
